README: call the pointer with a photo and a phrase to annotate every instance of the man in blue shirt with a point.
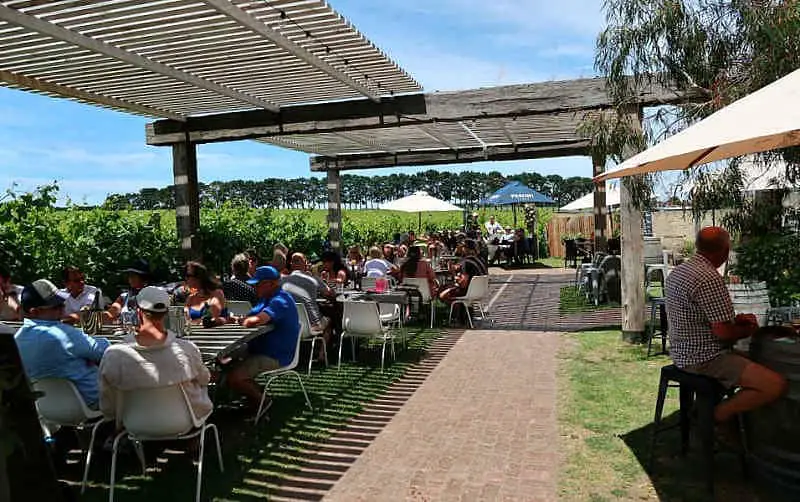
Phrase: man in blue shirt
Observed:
(51, 349)
(271, 350)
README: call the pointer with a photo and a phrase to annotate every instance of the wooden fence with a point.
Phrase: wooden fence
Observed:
(563, 225)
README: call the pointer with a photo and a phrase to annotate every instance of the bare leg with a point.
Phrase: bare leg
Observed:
(760, 386)
(241, 382)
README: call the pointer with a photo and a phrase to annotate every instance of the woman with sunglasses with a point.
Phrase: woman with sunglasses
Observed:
(206, 302)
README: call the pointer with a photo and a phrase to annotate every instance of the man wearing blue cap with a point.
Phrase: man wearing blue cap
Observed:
(271, 350)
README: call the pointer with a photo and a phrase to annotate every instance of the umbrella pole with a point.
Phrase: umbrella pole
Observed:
(514, 209)
(419, 223)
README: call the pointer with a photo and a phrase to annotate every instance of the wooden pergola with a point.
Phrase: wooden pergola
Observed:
(295, 74)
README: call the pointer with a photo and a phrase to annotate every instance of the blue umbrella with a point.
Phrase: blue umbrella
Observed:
(516, 193)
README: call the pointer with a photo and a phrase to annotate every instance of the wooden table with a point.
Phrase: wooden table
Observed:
(215, 344)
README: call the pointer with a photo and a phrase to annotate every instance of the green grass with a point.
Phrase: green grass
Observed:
(607, 398)
(571, 301)
(258, 458)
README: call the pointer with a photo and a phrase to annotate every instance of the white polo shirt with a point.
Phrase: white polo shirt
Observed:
(85, 299)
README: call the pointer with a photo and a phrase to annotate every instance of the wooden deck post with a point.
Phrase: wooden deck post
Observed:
(335, 210)
(632, 243)
(187, 197)
(600, 205)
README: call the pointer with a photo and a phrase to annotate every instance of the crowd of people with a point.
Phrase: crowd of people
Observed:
(52, 345)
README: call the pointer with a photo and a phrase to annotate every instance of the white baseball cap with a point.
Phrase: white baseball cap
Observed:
(153, 299)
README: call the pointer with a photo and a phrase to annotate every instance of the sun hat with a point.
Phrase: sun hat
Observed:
(139, 267)
(41, 293)
(265, 273)
(153, 299)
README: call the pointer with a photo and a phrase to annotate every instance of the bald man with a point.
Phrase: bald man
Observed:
(703, 329)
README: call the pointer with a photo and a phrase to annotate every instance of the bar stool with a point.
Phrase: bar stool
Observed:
(694, 390)
(657, 304)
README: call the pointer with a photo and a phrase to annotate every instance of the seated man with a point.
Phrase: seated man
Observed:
(271, 350)
(305, 289)
(52, 349)
(703, 329)
(155, 358)
(78, 294)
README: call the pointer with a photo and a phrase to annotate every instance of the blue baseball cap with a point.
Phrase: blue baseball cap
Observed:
(265, 273)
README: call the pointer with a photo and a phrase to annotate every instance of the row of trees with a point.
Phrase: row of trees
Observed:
(358, 192)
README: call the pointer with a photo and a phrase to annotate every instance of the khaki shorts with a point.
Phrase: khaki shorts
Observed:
(256, 364)
(726, 368)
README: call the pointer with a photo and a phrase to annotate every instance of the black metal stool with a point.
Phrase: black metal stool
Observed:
(702, 391)
(657, 304)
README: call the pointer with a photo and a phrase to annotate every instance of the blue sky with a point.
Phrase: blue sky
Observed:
(444, 44)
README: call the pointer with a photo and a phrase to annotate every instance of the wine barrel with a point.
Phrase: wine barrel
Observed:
(773, 431)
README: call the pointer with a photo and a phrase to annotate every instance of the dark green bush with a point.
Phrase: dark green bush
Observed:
(773, 259)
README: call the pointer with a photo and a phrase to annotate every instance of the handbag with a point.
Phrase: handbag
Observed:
(91, 317)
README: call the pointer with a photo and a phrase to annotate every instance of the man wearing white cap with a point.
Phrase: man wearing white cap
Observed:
(156, 358)
(52, 349)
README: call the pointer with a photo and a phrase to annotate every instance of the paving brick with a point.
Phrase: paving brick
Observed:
(481, 427)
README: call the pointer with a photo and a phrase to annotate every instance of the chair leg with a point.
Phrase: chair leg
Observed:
(341, 343)
(663, 385)
(303, 388)
(114, 450)
(686, 402)
(89, 456)
(219, 447)
(325, 351)
(706, 419)
(469, 316)
(383, 352)
(261, 404)
(450, 317)
(137, 446)
(199, 483)
(433, 312)
(311, 354)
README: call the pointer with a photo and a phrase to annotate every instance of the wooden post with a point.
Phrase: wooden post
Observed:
(632, 243)
(335, 210)
(600, 206)
(187, 197)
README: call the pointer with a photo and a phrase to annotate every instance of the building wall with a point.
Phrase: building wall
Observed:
(674, 226)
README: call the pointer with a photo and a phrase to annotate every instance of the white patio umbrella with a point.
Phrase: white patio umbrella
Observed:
(419, 202)
(587, 201)
(767, 119)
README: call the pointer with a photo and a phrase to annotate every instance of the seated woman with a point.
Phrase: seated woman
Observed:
(333, 271)
(377, 265)
(415, 266)
(207, 299)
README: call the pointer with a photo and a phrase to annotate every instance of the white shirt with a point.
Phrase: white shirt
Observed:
(377, 267)
(493, 228)
(74, 304)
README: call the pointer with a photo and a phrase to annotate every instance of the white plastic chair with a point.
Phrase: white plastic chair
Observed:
(239, 308)
(286, 370)
(476, 291)
(421, 284)
(62, 405)
(362, 319)
(309, 335)
(161, 414)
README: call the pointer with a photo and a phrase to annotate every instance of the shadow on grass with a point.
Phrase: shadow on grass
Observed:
(296, 454)
(683, 478)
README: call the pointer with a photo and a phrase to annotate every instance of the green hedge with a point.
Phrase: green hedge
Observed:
(773, 259)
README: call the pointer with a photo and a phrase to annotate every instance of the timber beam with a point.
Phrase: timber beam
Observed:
(410, 109)
(522, 151)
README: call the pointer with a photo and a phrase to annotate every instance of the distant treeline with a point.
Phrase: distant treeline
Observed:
(358, 192)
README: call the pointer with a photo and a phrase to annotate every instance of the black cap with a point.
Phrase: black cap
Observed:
(41, 293)
(139, 267)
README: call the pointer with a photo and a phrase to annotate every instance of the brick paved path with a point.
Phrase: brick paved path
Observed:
(528, 300)
(481, 427)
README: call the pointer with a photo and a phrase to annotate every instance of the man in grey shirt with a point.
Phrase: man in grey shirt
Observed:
(305, 289)
(703, 328)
